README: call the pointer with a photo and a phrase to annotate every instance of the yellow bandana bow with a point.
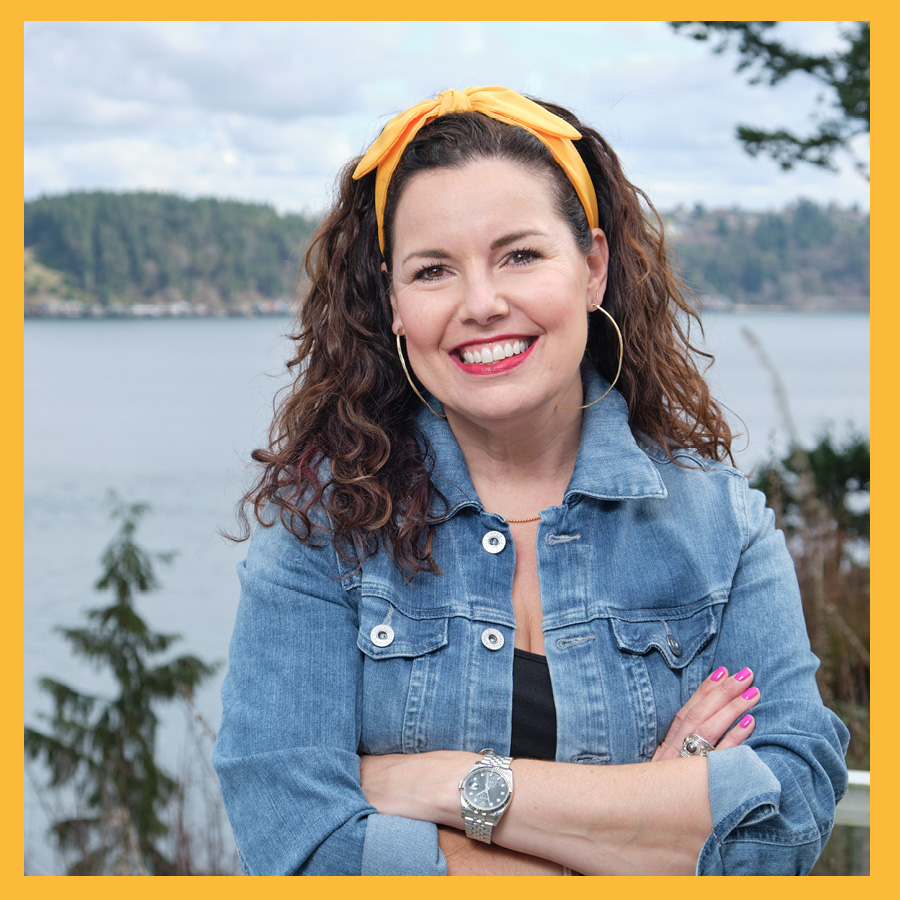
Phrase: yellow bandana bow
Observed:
(498, 103)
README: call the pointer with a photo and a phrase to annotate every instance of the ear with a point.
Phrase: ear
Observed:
(598, 266)
(396, 324)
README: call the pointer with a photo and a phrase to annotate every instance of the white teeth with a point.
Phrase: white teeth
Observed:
(491, 355)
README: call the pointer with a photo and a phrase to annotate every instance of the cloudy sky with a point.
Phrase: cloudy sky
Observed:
(268, 111)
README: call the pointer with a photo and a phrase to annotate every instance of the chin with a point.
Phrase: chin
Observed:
(499, 410)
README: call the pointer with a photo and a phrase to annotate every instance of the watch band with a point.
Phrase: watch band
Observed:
(478, 829)
(492, 758)
(480, 823)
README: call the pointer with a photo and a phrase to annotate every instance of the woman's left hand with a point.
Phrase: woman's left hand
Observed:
(712, 708)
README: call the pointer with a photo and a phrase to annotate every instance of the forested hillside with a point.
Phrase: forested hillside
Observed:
(106, 253)
(805, 256)
(119, 249)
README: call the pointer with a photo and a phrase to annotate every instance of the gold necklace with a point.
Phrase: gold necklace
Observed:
(519, 521)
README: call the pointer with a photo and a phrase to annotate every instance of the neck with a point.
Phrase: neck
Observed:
(520, 468)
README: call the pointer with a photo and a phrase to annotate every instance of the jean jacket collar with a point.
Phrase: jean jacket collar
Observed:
(610, 464)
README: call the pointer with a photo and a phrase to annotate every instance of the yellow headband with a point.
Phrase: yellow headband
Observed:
(498, 103)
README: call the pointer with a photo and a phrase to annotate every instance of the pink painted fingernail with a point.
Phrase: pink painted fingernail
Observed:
(743, 675)
(719, 674)
(750, 693)
(746, 721)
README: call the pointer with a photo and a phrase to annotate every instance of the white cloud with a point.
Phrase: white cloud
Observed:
(233, 108)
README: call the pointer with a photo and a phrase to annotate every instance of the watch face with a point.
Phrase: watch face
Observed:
(486, 789)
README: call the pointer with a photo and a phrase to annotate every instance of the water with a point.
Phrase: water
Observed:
(167, 411)
(162, 411)
(822, 360)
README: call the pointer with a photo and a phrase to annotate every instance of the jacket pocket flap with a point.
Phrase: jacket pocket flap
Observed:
(385, 632)
(677, 634)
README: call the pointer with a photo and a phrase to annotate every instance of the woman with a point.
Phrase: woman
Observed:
(488, 546)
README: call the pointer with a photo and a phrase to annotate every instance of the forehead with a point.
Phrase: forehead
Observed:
(476, 194)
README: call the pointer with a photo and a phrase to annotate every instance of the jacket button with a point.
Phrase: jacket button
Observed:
(674, 645)
(493, 542)
(382, 635)
(492, 639)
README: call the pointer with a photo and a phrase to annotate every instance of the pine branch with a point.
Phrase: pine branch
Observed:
(105, 749)
(845, 74)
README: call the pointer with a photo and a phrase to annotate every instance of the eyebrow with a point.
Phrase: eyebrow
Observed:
(504, 241)
(428, 254)
(508, 239)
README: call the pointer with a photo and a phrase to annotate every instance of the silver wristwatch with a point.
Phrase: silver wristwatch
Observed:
(485, 794)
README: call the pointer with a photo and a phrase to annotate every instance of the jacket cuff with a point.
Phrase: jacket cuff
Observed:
(742, 792)
(398, 846)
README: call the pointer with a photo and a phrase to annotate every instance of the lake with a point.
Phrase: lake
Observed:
(167, 411)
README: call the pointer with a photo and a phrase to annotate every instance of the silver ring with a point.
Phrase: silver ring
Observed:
(694, 745)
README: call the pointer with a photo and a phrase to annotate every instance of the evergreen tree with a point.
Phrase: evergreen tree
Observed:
(838, 469)
(844, 75)
(103, 750)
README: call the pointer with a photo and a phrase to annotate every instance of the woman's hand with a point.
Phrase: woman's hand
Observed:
(712, 708)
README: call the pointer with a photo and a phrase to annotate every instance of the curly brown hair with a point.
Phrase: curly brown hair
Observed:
(344, 439)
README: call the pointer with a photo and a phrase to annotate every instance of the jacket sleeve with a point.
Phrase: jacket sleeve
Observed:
(773, 797)
(286, 753)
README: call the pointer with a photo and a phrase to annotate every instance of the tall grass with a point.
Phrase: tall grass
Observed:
(820, 499)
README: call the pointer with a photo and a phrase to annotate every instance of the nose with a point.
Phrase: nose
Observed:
(481, 301)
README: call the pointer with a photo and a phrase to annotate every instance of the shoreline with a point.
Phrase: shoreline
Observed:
(73, 309)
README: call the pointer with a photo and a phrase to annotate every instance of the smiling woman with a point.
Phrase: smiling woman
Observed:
(487, 288)
(524, 538)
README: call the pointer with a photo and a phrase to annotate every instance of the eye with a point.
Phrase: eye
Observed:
(429, 273)
(523, 257)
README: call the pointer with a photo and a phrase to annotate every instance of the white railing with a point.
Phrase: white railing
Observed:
(853, 810)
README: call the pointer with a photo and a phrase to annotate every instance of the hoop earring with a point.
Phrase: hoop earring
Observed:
(618, 370)
(406, 373)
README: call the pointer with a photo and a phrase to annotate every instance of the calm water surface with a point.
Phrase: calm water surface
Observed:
(167, 412)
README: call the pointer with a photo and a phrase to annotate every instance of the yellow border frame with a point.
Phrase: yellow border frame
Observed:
(884, 387)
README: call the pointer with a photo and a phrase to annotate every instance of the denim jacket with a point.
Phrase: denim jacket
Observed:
(652, 575)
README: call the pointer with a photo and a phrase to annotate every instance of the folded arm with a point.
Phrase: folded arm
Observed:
(286, 753)
(648, 818)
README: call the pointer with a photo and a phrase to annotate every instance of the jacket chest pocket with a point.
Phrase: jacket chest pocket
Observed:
(678, 634)
(665, 654)
(401, 669)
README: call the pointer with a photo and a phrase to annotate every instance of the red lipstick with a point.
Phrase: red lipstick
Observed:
(497, 368)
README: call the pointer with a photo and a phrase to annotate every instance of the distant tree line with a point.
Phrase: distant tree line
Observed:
(122, 248)
(805, 255)
(119, 249)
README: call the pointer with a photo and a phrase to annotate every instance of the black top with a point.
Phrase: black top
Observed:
(533, 708)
